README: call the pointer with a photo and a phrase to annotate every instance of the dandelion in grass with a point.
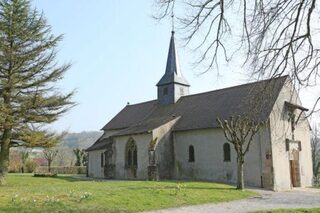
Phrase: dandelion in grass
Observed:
(14, 198)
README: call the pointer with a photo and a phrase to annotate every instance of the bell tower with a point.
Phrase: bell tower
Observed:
(172, 85)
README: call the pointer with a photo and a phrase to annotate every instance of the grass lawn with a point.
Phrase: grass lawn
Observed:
(25, 193)
(317, 210)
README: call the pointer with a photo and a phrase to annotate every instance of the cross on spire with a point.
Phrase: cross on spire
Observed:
(172, 22)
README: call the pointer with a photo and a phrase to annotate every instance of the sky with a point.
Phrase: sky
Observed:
(118, 54)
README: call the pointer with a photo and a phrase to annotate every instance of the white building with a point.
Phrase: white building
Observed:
(177, 136)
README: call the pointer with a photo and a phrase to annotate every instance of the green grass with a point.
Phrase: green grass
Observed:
(24, 193)
(316, 210)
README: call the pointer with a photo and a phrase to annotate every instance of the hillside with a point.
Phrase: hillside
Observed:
(80, 140)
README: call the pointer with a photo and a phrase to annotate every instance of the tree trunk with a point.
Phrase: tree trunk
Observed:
(240, 181)
(49, 165)
(4, 155)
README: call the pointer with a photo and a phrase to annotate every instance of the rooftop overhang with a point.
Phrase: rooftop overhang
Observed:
(295, 106)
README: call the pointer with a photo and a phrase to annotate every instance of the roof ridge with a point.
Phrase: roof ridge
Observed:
(128, 105)
(232, 87)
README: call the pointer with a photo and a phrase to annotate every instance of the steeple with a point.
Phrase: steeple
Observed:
(172, 85)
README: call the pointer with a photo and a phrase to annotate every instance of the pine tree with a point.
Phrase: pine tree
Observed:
(29, 97)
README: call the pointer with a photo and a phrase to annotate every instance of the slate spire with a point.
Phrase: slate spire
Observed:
(173, 73)
(172, 85)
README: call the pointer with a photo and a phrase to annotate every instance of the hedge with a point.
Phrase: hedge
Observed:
(63, 169)
(45, 175)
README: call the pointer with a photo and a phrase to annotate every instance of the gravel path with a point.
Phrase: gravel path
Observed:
(297, 198)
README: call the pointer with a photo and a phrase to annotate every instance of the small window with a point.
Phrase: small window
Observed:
(226, 152)
(299, 144)
(181, 91)
(191, 154)
(165, 91)
(101, 159)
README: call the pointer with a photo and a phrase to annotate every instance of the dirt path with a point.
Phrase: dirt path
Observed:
(298, 198)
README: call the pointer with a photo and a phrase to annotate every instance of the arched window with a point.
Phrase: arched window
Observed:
(226, 152)
(191, 154)
(131, 154)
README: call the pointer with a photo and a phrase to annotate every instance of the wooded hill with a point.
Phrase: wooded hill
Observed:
(80, 140)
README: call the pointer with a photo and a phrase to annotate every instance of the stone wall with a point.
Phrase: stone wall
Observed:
(164, 149)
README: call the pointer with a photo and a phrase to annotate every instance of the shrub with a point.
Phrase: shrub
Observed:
(63, 169)
(45, 175)
(15, 163)
(30, 166)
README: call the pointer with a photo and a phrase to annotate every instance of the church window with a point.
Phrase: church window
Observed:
(191, 154)
(226, 152)
(101, 159)
(165, 91)
(131, 154)
(135, 160)
(181, 91)
(129, 158)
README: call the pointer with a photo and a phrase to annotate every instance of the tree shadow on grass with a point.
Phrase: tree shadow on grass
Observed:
(157, 186)
(175, 187)
(66, 178)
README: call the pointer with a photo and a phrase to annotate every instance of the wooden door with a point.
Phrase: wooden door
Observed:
(295, 173)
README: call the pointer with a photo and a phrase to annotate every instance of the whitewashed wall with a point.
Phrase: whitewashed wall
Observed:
(142, 142)
(209, 163)
(280, 130)
(95, 170)
(109, 133)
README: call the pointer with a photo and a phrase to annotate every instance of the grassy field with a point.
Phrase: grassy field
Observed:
(25, 193)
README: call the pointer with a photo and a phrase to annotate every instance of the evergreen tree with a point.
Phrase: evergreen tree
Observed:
(28, 73)
(81, 157)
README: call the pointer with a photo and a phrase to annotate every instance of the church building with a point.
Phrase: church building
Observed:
(177, 137)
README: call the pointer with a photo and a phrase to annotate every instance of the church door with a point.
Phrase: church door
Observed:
(294, 168)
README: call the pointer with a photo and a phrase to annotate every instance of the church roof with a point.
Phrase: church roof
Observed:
(173, 73)
(100, 144)
(199, 111)
(146, 125)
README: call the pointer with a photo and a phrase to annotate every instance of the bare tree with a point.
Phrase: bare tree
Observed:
(315, 149)
(24, 157)
(240, 131)
(64, 156)
(50, 154)
(242, 126)
(276, 36)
